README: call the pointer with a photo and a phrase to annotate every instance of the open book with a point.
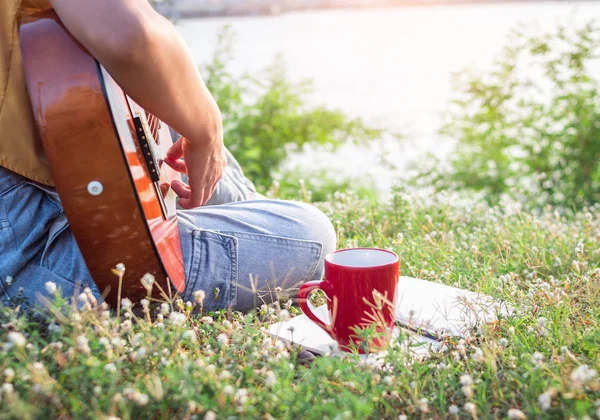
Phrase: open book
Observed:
(425, 312)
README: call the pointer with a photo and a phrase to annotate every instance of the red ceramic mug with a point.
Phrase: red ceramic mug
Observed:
(360, 284)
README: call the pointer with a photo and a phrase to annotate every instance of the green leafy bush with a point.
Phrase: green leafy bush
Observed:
(530, 127)
(266, 116)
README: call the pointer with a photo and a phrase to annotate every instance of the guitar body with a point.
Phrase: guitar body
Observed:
(106, 154)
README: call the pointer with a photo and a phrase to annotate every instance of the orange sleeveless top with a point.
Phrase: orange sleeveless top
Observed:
(20, 146)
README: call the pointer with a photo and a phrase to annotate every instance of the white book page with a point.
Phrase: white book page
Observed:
(422, 306)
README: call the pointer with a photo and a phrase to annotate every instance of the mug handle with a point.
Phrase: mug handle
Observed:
(305, 291)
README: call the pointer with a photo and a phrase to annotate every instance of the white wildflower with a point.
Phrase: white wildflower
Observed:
(466, 380)
(189, 335)
(541, 322)
(225, 375)
(83, 298)
(402, 417)
(207, 319)
(478, 355)
(148, 281)
(9, 374)
(284, 315)
(503, 342)
(538, 358)
(7, 388)
(545, 400)
(126, 304)
(82, 344)
(453, 410)
(145, 303)
(210, 415)
(271, 379)
(423, 405)
(141, 399)
(223, 340)
(579, 248)
(228, 390)
(51, 287)
(471, 408)
(177, 318)
(516, 414)
(199, 296)
(16, 339)
(110, 368)
(388, 380)
(120, 268)
(583, 374)
(241, 396)
(165, 308)
(54, 328)
(141, 353)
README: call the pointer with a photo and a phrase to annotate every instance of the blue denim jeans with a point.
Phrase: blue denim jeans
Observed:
(239, 248)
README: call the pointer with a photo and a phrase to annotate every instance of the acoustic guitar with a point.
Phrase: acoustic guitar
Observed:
(105, 153)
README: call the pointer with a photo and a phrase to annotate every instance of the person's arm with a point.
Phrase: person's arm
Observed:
(146, 55)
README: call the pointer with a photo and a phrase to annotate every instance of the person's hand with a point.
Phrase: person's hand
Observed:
(203, 162)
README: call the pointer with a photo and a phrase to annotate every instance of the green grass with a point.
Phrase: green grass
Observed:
(540, 363)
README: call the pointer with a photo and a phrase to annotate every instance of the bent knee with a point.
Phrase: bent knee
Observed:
(318, 227)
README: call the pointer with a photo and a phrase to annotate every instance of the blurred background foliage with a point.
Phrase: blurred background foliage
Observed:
(530, 127)
(527, 128)
(267, 116)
